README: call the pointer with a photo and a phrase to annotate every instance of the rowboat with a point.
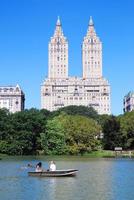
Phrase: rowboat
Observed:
(57, 173)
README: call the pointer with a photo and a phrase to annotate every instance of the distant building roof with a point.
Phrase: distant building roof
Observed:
(130, 94)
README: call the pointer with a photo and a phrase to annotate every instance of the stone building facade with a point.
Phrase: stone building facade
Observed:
(12, 98)
(128, 102)
(92, 89)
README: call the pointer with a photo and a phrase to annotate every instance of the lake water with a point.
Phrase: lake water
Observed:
(97, 179)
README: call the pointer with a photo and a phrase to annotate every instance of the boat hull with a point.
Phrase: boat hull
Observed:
(57, 173)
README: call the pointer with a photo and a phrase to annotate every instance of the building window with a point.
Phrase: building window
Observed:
(16, 102)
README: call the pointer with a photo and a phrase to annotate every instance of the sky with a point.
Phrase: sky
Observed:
(27, 25)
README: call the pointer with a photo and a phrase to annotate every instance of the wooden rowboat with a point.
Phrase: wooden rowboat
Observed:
(57, 173)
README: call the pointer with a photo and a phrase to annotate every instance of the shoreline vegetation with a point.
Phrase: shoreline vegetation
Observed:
(93, 154)
(72, 130)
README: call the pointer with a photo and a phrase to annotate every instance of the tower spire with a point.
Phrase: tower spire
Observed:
(58, 29)
(91, 23)
(58, 22)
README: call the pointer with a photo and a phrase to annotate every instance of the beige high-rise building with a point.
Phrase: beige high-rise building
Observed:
(92, 89)
(12, 98)
(58, 54)
(92, 53)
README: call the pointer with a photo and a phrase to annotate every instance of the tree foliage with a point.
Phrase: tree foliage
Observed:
(112, 137)
(81, 134)
(53, 140)
(19, 132)
(77, 110)
(70, 130)
(127, 129)
(70, 134)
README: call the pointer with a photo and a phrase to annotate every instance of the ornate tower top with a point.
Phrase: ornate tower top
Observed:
(91, 30)
(58, 53)
(58, 30)
(91, 21)
(91, 53)
(58, 22)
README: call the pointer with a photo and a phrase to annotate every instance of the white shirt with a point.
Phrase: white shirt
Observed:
(52, 167)
(38, 169)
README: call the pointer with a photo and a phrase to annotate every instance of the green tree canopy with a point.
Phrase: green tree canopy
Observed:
(112, 136)
(70, 134)
(53, 140)
(20, 132)
(127, 129)
(77, 110)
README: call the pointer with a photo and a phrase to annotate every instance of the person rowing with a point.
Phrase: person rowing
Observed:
(38, 167)
(29, 165)
(52, 166)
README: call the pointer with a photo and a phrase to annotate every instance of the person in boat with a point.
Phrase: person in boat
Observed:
(30, 165)
(52, 166)
(39, 167)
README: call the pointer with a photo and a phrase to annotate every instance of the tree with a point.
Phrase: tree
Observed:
(68, 134)
(4, 123)
(127, 129)
(77, 110)
(112, 136)
(32, 121)
(102, 119)
(81, 134)
(53, 140)
(20, 132)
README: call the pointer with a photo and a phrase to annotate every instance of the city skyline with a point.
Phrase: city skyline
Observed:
(26, 30)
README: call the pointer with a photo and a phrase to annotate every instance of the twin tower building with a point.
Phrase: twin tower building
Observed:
(60, 90)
